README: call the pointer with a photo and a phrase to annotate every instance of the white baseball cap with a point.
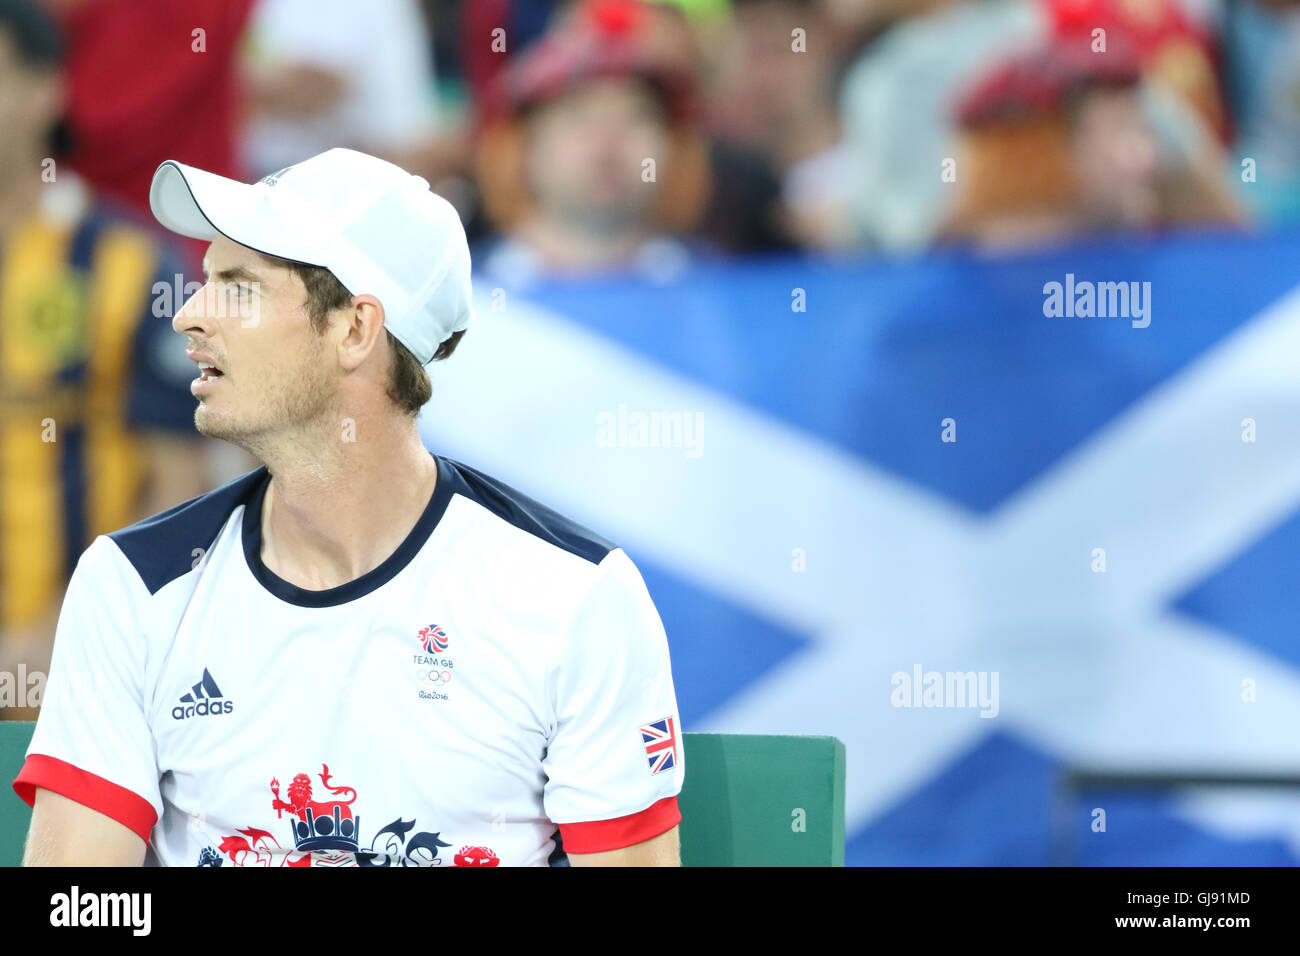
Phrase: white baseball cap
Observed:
(379, 229)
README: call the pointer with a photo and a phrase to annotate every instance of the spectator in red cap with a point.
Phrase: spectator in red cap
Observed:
(588, 156)
(1057, 143)
(1171, 48)
(895, 100)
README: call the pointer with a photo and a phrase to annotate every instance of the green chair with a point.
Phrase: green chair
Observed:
(15, 735)
(748, 800)
(762, 801)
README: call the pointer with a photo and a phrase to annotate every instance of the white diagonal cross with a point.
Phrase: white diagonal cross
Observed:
(1093, 667)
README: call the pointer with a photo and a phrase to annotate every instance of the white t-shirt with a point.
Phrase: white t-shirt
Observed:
(389, 100)
(498, 691)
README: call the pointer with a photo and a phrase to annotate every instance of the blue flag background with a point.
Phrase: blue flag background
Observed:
(1113, 532)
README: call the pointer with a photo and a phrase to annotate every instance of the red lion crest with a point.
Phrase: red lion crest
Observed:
(300, 797)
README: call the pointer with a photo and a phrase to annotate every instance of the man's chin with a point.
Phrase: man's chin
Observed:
(212, 424)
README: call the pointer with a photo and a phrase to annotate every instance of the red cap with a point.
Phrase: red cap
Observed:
(1043, 79)
(603, 38)
(1146, 24)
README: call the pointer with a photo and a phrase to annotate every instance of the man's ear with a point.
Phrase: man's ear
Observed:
(365, 330)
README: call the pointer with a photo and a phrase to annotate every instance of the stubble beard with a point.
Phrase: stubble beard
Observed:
(289, 410)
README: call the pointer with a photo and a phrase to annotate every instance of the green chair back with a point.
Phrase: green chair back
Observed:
(15, 815)
(762, 801)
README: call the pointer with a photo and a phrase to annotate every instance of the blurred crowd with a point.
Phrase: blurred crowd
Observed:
(575, 138)
(593, 134)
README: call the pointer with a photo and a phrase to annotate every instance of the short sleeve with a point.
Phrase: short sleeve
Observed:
(158, 393)
(614, 762)
(92, 741)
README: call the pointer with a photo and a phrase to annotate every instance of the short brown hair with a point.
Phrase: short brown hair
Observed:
(408, 383)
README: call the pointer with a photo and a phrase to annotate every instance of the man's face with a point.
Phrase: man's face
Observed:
(1116, 157)
(587, 148)
(275, 375)
(761, 84)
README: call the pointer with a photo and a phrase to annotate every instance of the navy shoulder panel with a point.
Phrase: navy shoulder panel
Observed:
(529, 515)
(161, 547)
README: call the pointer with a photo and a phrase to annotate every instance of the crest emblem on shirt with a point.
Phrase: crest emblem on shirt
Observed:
(320, 825)
(326, 831)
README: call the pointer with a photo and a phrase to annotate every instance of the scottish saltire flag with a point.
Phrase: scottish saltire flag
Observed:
(990, 543)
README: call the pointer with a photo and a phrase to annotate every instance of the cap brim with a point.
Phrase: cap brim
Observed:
(203, 205)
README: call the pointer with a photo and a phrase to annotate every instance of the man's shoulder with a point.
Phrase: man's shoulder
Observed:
(528, 515)
(166, 545)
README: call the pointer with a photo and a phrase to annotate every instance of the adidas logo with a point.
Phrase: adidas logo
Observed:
(274, 178)
(203, 700)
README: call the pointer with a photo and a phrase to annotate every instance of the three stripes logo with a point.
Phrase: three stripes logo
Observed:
(204, 699)
(274, 178)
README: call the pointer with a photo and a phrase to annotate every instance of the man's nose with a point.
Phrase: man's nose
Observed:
(192, 316)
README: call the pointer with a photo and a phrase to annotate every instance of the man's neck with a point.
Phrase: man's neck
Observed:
(1028, 230)
(332, 517)
(568, 246)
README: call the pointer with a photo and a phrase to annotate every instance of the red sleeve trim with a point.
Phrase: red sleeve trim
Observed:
(125, 806)
(598, 836)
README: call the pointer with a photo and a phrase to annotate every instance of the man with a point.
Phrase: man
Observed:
(359, 653)
(778, 105)
(95, 416)
(308, 92)
(1057, 143)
